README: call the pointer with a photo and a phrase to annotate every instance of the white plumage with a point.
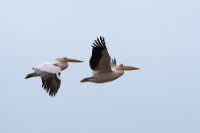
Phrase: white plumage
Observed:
(48, 67)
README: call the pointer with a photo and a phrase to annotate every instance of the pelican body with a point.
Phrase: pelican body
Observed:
(104, 69)
(50, 73)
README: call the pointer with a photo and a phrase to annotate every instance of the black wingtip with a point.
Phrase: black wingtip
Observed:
(99, 43)
(113, 62)
(98, 46)
(51, 84)
(52, 94)
(102, 39)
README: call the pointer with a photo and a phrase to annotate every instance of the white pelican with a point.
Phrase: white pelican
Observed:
(104, 69)
(50, 73)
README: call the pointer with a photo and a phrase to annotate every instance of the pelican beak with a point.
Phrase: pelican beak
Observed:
(73, 60)
(128, 68)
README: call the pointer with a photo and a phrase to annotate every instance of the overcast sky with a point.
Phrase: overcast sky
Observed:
(161, 37)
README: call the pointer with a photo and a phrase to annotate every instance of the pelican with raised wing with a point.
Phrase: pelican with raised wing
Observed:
(50, 73)
(104, 69)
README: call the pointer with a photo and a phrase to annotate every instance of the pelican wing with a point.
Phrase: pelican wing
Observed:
(50, 82)
(113, 62)
(100, 59)
(50, 75)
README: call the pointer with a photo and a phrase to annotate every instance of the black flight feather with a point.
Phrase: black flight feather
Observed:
(98, 46)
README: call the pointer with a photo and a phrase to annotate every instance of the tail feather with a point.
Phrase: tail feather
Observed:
(30, 75)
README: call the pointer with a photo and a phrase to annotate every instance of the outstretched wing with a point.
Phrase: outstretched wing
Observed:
(100, 59)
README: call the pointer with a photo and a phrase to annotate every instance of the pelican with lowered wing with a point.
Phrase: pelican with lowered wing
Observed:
(50, 73)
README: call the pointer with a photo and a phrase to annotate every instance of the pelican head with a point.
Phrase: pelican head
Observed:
(66, 60)
(126, 68)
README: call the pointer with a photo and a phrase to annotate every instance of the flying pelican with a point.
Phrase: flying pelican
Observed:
(104, 69)
(50, 73)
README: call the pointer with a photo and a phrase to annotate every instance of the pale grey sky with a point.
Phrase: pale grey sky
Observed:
(159, 36)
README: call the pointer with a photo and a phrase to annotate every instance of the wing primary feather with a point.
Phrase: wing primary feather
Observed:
(50, 82)
(102, 41)
(99, 42)
(115, 62)
(99, 50)
(95, 45)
